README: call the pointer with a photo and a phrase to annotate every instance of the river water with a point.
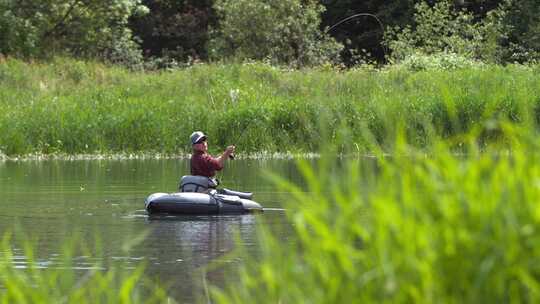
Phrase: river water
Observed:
(51, 201)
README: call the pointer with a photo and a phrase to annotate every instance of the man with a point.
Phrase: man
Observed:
(203, 163)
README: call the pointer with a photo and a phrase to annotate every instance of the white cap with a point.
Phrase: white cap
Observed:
(196, 137)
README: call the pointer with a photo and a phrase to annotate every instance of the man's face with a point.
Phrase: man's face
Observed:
(202, 146)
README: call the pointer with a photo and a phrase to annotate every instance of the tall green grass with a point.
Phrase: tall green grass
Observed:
(68, 106)
(407, 228)
(61, 281)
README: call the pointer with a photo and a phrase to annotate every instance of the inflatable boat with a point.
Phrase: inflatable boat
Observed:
(198, 196)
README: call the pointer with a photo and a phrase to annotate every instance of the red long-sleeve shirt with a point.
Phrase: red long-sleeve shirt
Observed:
(204, 164)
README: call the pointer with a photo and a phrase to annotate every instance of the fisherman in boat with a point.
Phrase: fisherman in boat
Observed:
(198, 193)
(202, 163)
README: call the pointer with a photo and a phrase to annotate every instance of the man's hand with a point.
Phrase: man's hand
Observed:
(230, 152)
(230, 149)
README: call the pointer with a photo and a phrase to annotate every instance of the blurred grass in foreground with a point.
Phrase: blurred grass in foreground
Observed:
(64, 282)
(415, 228)
(75, 107)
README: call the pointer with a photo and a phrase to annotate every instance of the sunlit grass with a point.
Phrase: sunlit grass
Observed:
(74, 107)
(409, 228)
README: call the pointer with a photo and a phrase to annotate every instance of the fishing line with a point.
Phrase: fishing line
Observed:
(274, 209)
(385, 51)
(113, 200)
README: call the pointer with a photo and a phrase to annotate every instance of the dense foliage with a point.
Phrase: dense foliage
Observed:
(94, 28)
(362, 36)
(284, 32)
(175, 30)
(523, 21)
(441, 29)
(166, 33)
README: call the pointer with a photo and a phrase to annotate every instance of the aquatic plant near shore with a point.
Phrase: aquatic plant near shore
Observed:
(411, 228)
(24, 278)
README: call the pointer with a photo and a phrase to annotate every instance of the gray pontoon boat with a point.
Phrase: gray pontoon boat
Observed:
(198, 195)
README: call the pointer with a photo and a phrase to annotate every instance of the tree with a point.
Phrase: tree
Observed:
(363, 36)
(443, 28)
(83, 28)
(523, 22)
(282, 32)
(175, 29)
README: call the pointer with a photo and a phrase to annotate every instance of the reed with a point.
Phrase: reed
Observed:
(74, 107)
(27, 278)
(407, 228)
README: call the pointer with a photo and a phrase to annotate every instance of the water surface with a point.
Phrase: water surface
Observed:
(104, 199)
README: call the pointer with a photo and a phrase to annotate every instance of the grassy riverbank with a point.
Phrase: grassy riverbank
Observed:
(75, 107)
(410, 228)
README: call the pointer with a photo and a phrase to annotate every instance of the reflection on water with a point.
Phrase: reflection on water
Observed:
(54, 200)
(182, 246)
(197, 239)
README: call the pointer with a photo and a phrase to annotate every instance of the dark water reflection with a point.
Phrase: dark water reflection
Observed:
(54, 200)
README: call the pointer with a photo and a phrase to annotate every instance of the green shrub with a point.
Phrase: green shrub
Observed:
(438, 61)
(85, 29)
(444, 28)
(523, 27)
(281, 32)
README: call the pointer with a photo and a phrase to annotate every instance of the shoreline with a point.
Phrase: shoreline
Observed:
(147, 156)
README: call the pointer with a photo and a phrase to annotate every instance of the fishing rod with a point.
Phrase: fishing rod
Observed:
(236, 138)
